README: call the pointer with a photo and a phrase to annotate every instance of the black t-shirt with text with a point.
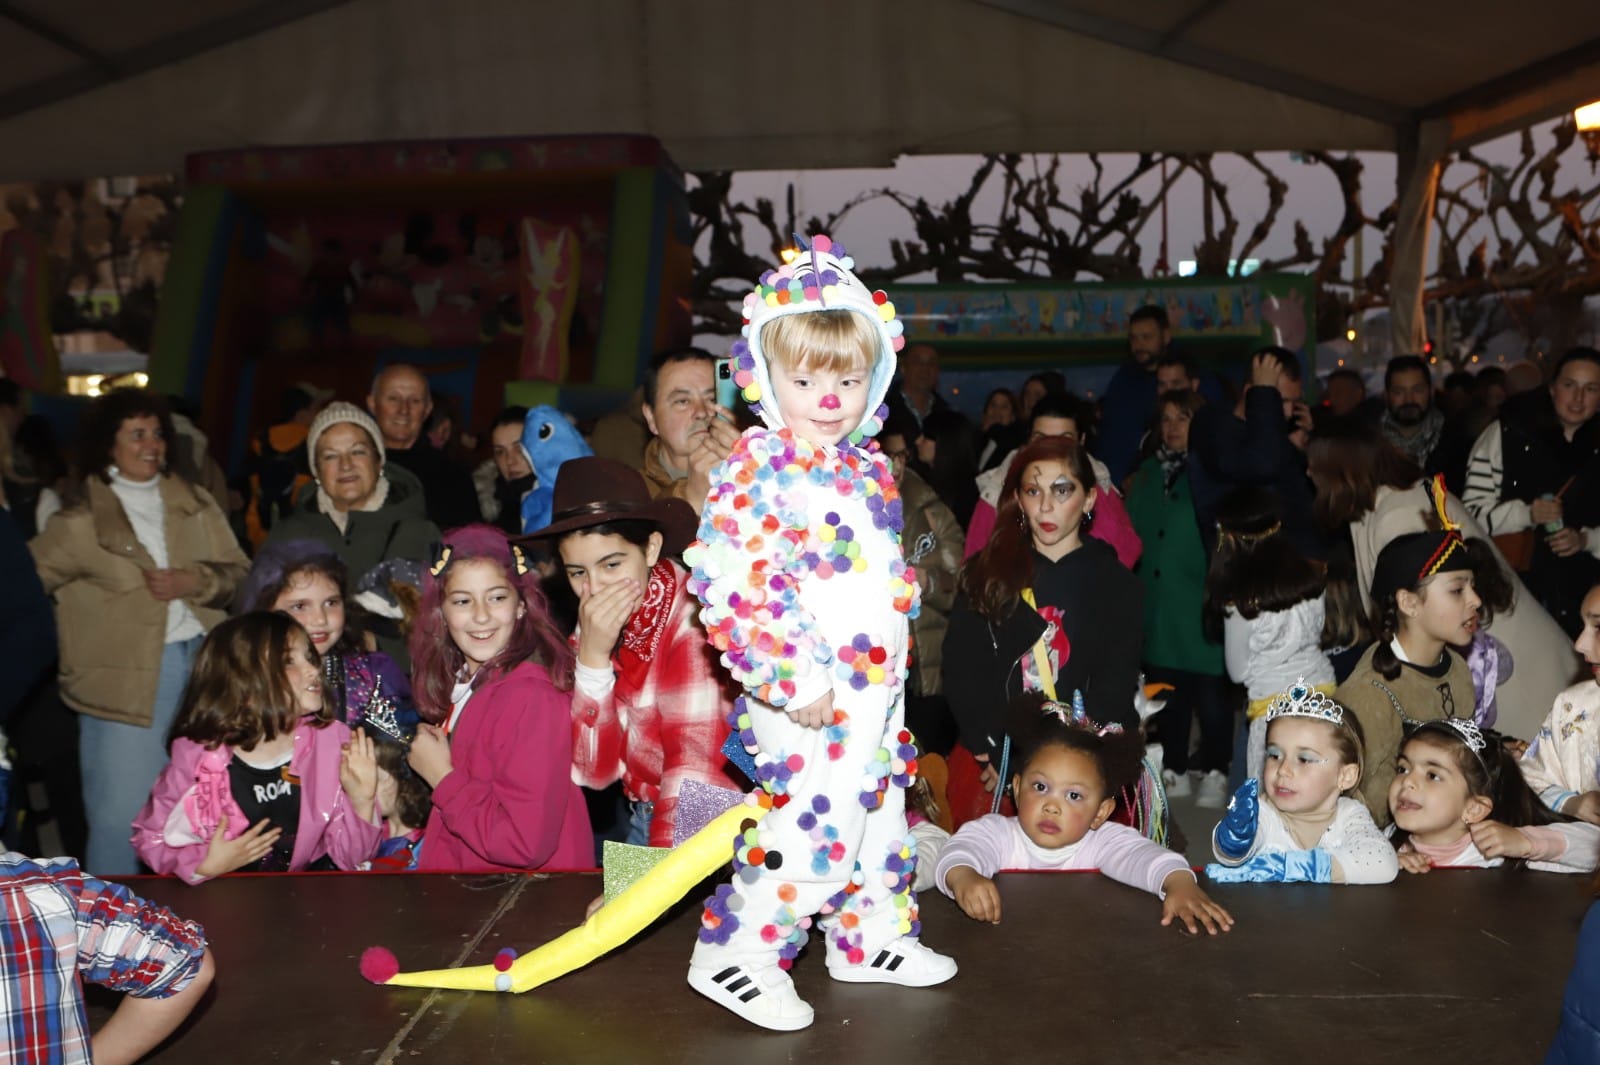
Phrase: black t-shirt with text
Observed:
(272, 794)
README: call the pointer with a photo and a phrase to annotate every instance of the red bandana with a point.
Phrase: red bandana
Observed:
(641, 636)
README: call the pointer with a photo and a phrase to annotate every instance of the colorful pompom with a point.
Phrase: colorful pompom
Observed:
(379, 965)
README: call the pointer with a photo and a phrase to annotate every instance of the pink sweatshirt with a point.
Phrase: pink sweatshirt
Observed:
(173, 831)
(994, 843)
(1566, 847)
(509, 802)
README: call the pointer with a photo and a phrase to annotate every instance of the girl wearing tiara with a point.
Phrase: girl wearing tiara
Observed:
(377, 757)
(1458, 799)
(1267, 597)
(1424, 602)
(1298, 822)
(1069, 774)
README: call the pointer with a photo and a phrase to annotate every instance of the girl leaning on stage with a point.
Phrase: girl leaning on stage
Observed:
(258, 779)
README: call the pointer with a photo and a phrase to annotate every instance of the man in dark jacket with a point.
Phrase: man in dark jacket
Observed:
(1131, 396)
(401, 402)
(1260, 442)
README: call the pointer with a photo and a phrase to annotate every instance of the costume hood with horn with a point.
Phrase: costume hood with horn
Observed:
(818, 279)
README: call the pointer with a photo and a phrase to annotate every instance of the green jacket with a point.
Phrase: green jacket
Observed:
(397, 529)
(1173, 568)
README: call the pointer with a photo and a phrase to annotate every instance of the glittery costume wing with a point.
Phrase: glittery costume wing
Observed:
(747, 565)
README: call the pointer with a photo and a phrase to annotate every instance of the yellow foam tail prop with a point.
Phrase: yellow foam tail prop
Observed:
(613, 925)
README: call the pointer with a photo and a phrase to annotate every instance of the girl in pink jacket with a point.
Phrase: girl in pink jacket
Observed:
(259, 780)
(493, 682)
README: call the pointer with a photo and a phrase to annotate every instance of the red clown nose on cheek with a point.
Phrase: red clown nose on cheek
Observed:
(830, 402)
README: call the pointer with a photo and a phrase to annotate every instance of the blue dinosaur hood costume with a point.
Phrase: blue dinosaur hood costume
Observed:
(548, 439)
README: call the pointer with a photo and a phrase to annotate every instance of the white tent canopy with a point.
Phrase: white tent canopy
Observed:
(89, 87)
(101, 87)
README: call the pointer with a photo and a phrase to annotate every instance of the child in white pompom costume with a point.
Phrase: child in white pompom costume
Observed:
(807, 595)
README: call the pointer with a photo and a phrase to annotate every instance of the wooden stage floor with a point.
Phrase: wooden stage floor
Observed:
(1452, 966)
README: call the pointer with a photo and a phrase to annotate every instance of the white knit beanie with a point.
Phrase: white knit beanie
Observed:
(335, 413)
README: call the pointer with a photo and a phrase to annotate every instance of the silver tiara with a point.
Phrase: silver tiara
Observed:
(1302, 700)
(1469, 733)
(381, 714)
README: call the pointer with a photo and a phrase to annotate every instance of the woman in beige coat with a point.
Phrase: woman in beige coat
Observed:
(140, 568)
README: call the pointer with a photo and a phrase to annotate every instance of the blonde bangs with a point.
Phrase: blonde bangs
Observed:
(822, 341)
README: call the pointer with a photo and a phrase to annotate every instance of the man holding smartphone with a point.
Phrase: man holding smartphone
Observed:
(691, 433)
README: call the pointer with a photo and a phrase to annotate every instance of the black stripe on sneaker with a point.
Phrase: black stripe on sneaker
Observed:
(737, 984)
(724, 974)
(750, 994)
(894, 963)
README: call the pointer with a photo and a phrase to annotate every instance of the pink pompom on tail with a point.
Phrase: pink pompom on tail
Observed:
(379, 964)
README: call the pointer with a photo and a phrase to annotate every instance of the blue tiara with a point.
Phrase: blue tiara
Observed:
(1302, 700)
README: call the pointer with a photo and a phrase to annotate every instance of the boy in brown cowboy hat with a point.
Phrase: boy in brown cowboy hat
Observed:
(650, 705)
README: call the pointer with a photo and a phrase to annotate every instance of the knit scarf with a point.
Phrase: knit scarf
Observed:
(641, 636)
(1420, 444)
(1173, 465)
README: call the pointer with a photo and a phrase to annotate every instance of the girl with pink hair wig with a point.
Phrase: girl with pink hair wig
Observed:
(493, 680)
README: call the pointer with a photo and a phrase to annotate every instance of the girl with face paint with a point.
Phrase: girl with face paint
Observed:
(1042, 608)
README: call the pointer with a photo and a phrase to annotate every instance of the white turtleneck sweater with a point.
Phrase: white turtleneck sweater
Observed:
(141, 501)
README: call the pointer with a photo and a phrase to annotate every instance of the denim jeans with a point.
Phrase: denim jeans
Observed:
(120, 762)
(642, 813)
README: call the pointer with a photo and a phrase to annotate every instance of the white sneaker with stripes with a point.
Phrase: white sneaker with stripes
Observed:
(905, 962)
(764, 996)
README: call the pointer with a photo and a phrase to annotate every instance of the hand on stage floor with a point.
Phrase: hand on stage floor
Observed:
(1237, 832)
(225, 855)
(975, 893)
(816, 714)
(1187, 903)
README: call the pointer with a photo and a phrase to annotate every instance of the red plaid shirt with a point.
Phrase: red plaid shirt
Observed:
(659, 725)
(60, 926)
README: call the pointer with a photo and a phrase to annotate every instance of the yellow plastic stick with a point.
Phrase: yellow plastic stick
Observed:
(614, 924)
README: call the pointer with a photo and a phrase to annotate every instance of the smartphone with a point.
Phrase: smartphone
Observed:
(727, 390)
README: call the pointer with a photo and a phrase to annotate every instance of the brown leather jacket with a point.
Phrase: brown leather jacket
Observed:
(661, 480)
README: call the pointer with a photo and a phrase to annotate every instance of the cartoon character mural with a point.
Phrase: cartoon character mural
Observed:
(551, 269)
(559, 263)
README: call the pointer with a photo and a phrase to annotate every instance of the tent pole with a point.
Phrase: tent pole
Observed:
(1418, 152)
